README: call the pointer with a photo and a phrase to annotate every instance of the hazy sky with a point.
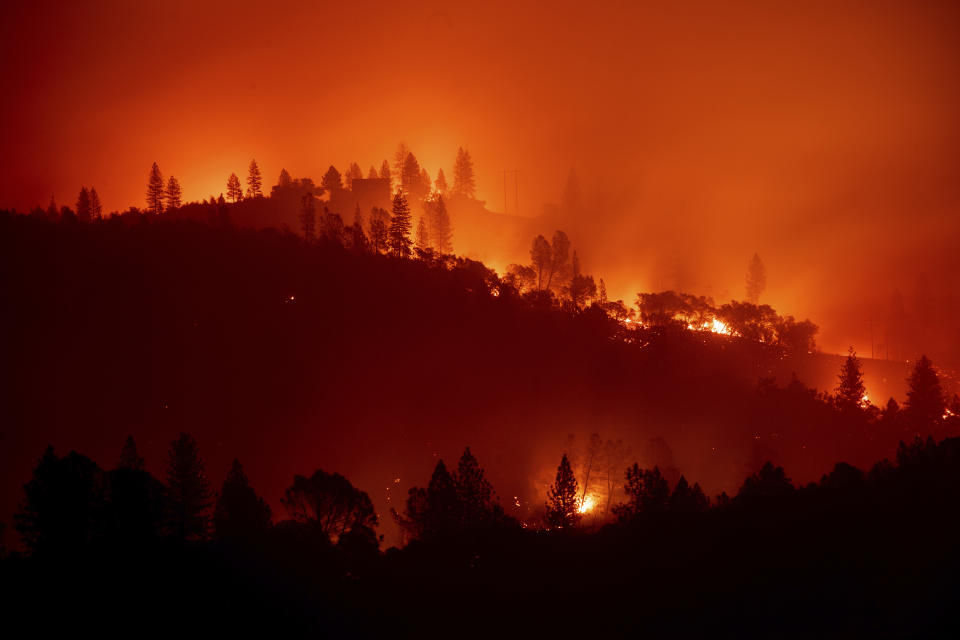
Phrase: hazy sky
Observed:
(823, 135)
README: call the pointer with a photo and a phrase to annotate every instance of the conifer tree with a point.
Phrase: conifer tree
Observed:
(385, 172)
(285, 179)
(240, 514)
(155, 190)
(379, 225)
(756, 279)
(53, 213)
(358, 239)
(441, 236)
(925, 400)
(129, 458)
(440, 185)
(254, 180)
(331, 180)
(410, 177)
(399, 232)
(354, 172)
(83, 205)
(96, 209)
(464, 183)
(234, 190)
(422, 241)
(399, 160)
(372, 173)
(563, 504)
(850, 390)
(188, 490)
(474, 492)
(174, 193)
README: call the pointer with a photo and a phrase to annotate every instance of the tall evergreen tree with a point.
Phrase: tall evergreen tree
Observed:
(756, 279)
(358, 239)
(83, 205)
(372, 173)
(308, 217)
(441, 235)
(925, 400)
(563, 503)
(354, 172)
(851, 390)
(96, 209)
(234, 190)
(254, 180)
(399, 232)
(174, 193)
(464, 183)
(240, 514)
(399, 160)
(53, 212)
(541, 257)
(155, 190)
(129, 458)
(411, 179)
(385, 173)
(331, 180)
(422, 241)
(440, 184)
(188, 490)
(474, 492)
(379, 226)
(285, 179)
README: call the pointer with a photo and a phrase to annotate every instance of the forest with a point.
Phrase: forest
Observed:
(240, 409)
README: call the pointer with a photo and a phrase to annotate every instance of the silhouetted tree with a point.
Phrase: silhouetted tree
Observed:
(411, 179)
(96, 209)
(581, 288)
(541, 258)
(155, 190)
(559, 256)
(441, 183)
(188, 490)
(372, 173)
(53, 212)
(358, 239)
(399, 231)
(474, 493)
(285, 180)
(63, 503)
(850, 391)
(234, 190)
(331, 180)
(240, 514)
(925, 402)
(308, 217)
(332, 227)
(379, 226)
(770, 482)
(354, 172)
(174, 193)
(328, 502)
(254, 181)
(756, 279)
(464, 183)
(563, 503)
(439, 231)
(385, 173)
(422, 241)
(130, 459)
(83, 205)
(647, 492)
(687, 499)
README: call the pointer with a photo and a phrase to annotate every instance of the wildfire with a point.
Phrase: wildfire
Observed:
(717, 326)
(586, 505)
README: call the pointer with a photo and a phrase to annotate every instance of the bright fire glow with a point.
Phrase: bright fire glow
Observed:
(587, 504)
(717, 326)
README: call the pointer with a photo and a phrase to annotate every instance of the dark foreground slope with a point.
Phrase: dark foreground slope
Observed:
(294, 357)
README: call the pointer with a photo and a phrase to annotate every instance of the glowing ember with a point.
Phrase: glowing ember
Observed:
(587, 504)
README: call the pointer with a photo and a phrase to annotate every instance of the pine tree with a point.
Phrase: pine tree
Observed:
(422, 242)
(540, 257)
(358, 239)
(925, 400)
(53, 213)
(440, 184)
(756, 279)
(563, 505)
(188, 490)
(354, 172)
(129, 458)
(603, 293)
(385, 173)
(254, 181)
(441, 236)
(474, 492)
(372, 173)
(308, 217)
(285, 179)
(155, 190)
(83, 205)
(399, 160)
(410, 176)
(174, 193)
(464, 183)
(399, 232)
(850, 390)
(331, 180)
(234, 190)
(379, 225)
(96, 209)
(240, 514)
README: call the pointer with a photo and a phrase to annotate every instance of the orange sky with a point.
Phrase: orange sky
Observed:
(820, 134)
